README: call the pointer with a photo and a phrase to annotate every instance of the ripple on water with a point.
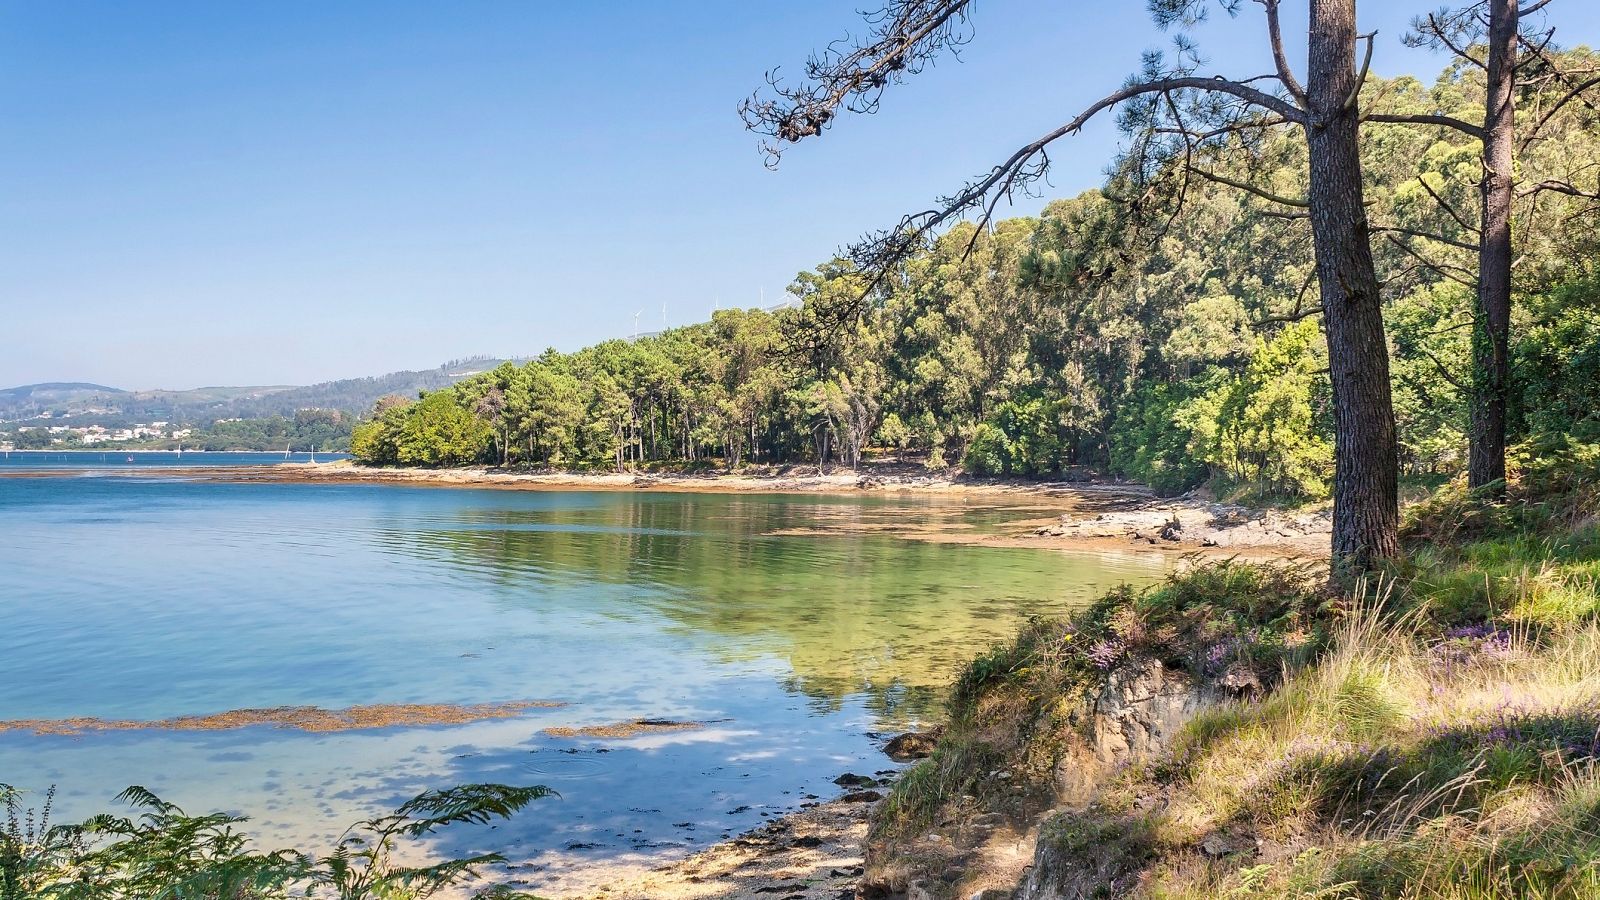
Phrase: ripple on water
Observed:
(566, 764)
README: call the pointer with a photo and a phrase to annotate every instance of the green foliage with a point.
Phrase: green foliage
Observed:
(1083, 337)
(1557, 361)
(308, 429)
(1151, 437)
(1258, 428)
(1528, 556)
(163, 853)
(1024, 437)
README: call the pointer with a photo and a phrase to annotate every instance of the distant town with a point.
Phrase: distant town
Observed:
(67, 435)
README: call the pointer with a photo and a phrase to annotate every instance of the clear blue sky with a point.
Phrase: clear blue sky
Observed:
(198, 193)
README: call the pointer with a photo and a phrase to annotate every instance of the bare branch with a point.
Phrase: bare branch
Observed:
(1436, 238)
(1450, 210)
(1361, 76)
(1533, 133)
(1440, 32)
(1443, 269)
(1201, 137)
(1426, 119)
(906, 35)
(1559, 187)
(1029, 163)
(1297, 202)
(1300, 310)
(1444, 372)
(1532, 8)
(1279, 58)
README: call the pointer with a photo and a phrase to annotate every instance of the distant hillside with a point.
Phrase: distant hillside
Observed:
(98, 404)
(33, 399)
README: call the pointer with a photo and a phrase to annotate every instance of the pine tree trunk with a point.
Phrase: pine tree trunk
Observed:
(1365, 490)
(1486, 451)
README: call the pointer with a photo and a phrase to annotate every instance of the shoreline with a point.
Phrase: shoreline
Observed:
(815, 853)
(818, 852)
(1081, 515)
(798, 479)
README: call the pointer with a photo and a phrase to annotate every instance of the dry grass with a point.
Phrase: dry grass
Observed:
(1395, 768)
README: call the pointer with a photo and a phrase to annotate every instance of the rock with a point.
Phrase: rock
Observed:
(1139, 710)
(912, 745)
(850, 779)
(1240, 680)
(861, 797)
(1132, 718)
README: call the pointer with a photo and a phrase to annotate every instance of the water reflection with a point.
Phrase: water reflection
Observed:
(869, 615)
(797, 624)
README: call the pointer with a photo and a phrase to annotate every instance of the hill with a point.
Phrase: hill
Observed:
(88, 403)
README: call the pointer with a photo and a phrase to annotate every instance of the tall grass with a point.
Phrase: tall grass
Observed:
(1396, 768)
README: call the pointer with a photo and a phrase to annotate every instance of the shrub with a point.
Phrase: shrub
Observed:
(167, 853)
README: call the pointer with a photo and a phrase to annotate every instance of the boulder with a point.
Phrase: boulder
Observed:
(913, 745)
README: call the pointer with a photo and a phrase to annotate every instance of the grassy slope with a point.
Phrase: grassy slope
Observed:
(1434, 737)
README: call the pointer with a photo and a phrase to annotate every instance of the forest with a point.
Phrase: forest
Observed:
(1169, 337)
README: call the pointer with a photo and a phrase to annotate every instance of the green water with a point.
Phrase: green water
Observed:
(800, 628)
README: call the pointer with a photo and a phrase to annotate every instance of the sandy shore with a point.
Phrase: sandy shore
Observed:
(798, 479)
(1081, 515)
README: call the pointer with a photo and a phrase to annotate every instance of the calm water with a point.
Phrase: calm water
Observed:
(781, 621)
(115, 460)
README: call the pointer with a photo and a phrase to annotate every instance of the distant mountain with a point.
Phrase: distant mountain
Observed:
(97, 404)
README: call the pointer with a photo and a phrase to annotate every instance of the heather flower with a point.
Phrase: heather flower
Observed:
(1105, 654)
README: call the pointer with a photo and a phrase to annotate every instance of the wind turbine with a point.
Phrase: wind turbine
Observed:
(636, 324)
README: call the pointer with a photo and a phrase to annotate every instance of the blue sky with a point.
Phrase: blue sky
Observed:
(198, 193)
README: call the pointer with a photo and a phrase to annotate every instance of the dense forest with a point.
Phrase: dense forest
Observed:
(1169, 338)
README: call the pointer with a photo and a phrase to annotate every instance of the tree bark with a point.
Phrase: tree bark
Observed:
(1486, 449)
(1365, 489)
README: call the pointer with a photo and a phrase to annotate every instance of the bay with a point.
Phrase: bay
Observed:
(794, 630)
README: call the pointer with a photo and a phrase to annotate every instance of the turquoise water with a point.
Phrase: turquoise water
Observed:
(787, 623)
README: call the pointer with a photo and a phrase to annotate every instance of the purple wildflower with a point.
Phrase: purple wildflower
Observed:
(1106, 654)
